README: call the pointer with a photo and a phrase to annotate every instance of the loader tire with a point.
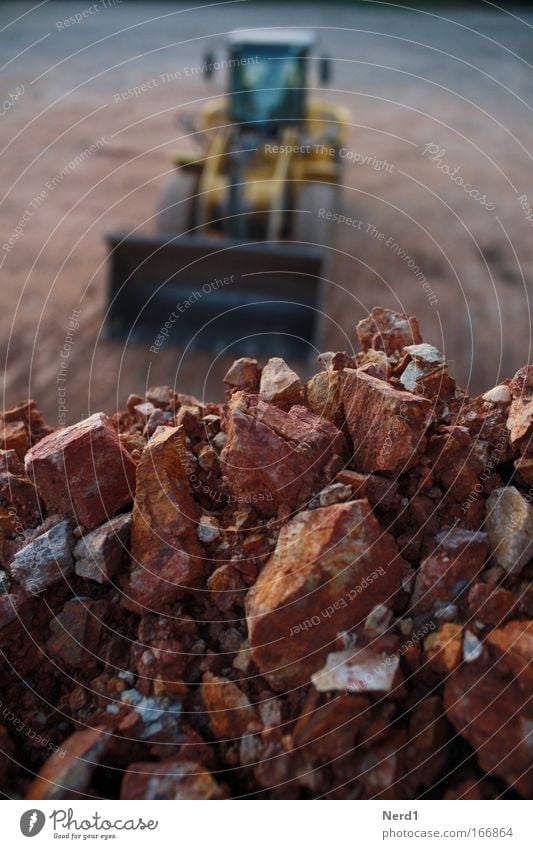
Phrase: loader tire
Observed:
(309, 223)
(175, 205)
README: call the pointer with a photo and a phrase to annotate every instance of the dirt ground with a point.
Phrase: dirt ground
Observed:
(428, 94)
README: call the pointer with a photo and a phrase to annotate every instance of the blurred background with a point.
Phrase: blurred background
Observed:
(433, 217)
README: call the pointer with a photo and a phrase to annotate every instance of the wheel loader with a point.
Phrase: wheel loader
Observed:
(244, 209)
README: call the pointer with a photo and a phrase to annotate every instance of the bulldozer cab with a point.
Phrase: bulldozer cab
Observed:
(268, 77)
(244, 210)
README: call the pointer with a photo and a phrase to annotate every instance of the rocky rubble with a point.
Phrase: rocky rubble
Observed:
(319, 588)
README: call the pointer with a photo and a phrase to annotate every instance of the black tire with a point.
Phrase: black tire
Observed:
(175, 204)
(308, 223)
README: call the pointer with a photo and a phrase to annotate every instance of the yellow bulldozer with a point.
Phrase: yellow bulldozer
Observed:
(242, 232)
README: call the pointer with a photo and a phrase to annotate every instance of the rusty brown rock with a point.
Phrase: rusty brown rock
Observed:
(389, 331)
(67, 773)
(323, 396)
(274, 459)
(427, 750)
(14, 436)
(387, 425)
(359, 671)
(331, 566)
(102, 554)
(18, 497)
(243, 374)
(75, 633)
(514, 645)
(83, 471)
(427, 373)
(170, 779)
(458, 558)
(230, 712)
(491, 605)
(45, 561)
(280, 384)
(444, 648)
(520, 418)
(509, 524)
(166, 554)
(487, 707)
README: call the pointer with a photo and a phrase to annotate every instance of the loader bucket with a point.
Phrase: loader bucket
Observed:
(215, 295)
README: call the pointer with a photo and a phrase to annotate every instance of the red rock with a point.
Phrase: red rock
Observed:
(520, 418)
(427, 373)
(331, 566)
(169, 779)
(488, 708)
(524, 468)
(389, 331)
(328, 729)
(509, 524)
(83, 472)
(103, 553)
(381, 770)
(459, 557)
(359, 671)
(230, 712)
(11, 608)
(275, 459)
(457, 463)
(427, 750)
(514, 645)
(14, 436)
(75, 633)
(19, 498)
(280, 384)
(243, 374)
(47, 560)
(166, 554)
(444, 648)
(162, 397)
(27, 412)
(490, 605)
(152, 719)
(323, 396)
(67, 773)
(387, 426)
(356, 480)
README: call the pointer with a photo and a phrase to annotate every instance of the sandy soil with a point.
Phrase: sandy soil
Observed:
(461, 82)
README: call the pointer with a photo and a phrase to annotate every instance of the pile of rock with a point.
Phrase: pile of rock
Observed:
(316, 589)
